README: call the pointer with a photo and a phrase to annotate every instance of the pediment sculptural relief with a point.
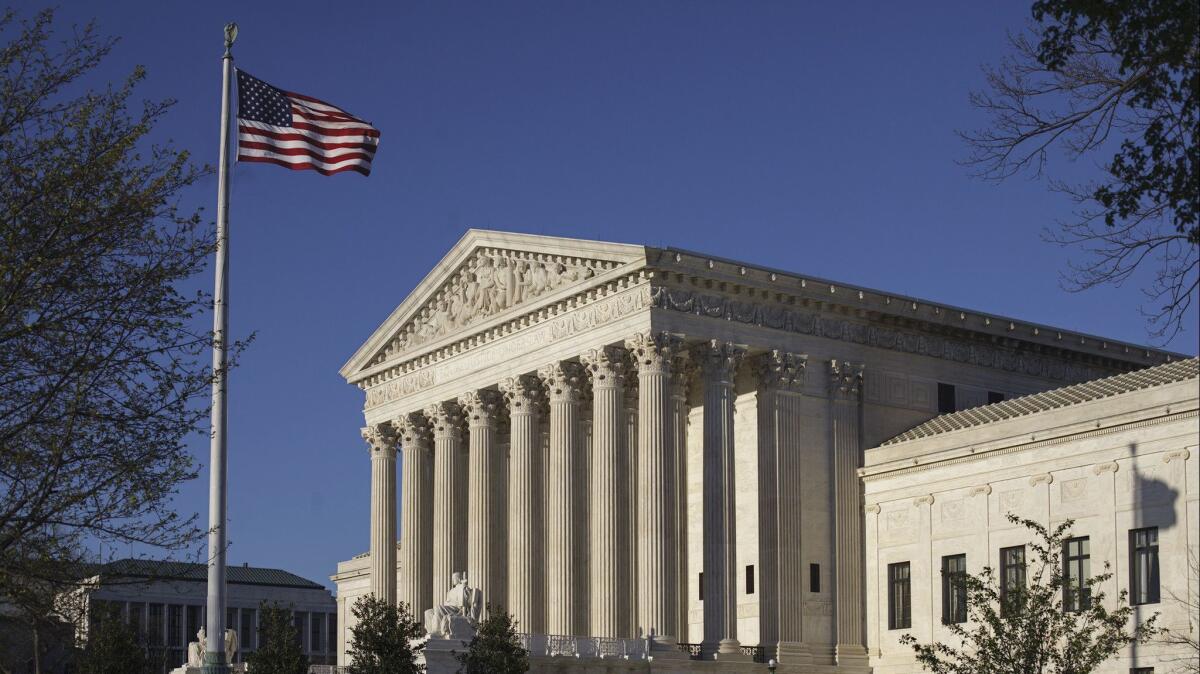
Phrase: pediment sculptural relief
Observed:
(490, 282)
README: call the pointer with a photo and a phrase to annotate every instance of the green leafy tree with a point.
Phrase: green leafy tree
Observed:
(279, 649)
(380, 642)
(1024, 629)
(1117, 80)
(495, 648)
(112, 646)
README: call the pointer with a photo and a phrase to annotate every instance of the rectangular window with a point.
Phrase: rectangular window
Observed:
(899, 597)
(1141, 670)
(954, 589)
(750, 579)
(946, 403)
(1012, 572)
(1143, 566)
(814, 577)
(193, 622)
(136, 622)
(700, 583)
(316, 625)
(248, 630)
(994, 397)
(299, 623)
(1077, 567)
(154, 625)
(175, 626)
(333, 635)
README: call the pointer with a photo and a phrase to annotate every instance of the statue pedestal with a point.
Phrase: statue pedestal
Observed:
(439, 653)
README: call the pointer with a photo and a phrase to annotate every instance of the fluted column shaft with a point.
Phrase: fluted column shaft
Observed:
(657, 586)
(718, 362)
(681, 374)
(382, 442)
(780, 380)
(609, 517)
(416, 547)
(630, 471)
(526, 513)
(845, 388)
(486, 497)
(449, 508)
(563, 382)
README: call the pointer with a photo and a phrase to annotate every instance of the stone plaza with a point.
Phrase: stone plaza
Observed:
(653, 455)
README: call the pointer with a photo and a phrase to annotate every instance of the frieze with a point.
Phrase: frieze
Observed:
(579, 320)
(812, 323)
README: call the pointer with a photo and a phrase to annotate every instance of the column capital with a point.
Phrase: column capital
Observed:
(781, 371)
(718, 360)
(845, 379)
(381, 439)
(682, 369)
(606, 366)
(481, 407)
(564, 381)
(522, 394)
(652, 351)
(444, 417)
(413, 430)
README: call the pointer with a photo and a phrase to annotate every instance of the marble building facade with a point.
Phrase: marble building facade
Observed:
(619, 441)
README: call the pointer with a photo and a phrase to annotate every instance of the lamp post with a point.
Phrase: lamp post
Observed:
(771, 665)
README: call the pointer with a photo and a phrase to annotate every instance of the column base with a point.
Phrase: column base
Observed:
(851, 655)
(726, 650)
(666, 648)
(793, 653)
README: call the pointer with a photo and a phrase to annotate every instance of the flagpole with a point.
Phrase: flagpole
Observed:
(214, 656)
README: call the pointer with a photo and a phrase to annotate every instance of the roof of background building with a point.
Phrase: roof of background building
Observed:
(1096, 389)
(188, 571)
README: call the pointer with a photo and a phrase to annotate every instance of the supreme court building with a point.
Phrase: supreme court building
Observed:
(632, 447)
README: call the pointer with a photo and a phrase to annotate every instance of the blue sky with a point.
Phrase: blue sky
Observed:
(814, 137)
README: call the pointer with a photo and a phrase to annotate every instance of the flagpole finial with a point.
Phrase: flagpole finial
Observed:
(231, 31)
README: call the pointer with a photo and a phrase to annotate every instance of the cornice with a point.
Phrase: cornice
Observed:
(678, 266)
(877, 474)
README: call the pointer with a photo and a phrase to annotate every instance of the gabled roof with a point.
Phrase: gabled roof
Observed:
(444, 286)
(191, 572)
(1066, 396)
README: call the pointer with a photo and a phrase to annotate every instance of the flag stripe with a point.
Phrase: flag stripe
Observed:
(306, 166)
(331, 163)
(295, 139)
(304, 151)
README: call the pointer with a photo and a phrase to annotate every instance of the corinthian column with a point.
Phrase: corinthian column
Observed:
(630, 409)
(564, 555)
(655, 517)
(382, 442)
(780, 381)
(486, 497)
(845, 389)
(681, 376)
(718, 363)
(449, 508)
(609, 517)
(526, 518)
(416, 549)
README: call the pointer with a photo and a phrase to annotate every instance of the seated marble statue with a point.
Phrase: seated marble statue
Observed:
(197, 648)
(459, 613)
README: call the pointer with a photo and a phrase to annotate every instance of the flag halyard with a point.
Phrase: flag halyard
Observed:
(300, 132)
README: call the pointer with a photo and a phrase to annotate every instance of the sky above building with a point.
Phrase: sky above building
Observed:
(813, 137)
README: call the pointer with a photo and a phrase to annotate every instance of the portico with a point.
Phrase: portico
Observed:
(619, 441)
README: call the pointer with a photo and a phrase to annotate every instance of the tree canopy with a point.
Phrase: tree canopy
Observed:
(1117, 80)
(381, 642)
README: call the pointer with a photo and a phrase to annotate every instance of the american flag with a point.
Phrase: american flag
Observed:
(300, 132)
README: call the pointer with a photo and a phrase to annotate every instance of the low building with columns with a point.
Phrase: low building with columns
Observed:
(631, 447)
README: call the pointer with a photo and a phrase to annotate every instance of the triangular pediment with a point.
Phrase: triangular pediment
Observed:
(487, 275)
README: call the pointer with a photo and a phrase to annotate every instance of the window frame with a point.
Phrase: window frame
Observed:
(1077, 567)
(899, 595)
(1139, 555)
(1008, 569)
(954, 589)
